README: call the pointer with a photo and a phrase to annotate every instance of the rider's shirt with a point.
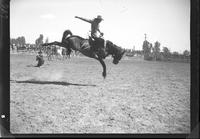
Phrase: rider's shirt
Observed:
(94, 26)
(95, 29)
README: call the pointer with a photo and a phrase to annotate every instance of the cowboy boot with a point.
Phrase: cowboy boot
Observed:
(92, 43)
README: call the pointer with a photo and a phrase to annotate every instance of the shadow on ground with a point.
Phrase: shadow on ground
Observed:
(51, 82)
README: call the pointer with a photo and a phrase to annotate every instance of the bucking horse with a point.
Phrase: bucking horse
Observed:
(77, 43)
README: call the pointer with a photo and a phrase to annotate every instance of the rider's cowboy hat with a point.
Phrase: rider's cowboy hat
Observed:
(99, 17)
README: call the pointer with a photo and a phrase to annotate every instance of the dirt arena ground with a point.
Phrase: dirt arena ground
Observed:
(71, 96)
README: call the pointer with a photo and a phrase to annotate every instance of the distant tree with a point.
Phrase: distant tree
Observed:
(13, 42)
(47, 40)
(39, 41)
(175, 54)
(147, 47)
(166, 52)
(156, 50)
(186, 53)
(22, 41)
(19, 41)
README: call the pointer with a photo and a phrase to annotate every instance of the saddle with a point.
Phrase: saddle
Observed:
(98, 46)
(96, 43)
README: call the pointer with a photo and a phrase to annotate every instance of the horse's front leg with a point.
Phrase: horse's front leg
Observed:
(104, 67)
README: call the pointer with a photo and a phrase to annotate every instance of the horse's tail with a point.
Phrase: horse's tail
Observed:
(65, 34)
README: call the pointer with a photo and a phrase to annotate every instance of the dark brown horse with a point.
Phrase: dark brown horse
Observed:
(77, 43)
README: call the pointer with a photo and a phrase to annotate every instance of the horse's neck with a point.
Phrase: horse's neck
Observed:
(112, 49)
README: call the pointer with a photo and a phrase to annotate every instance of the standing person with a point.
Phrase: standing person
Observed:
(98, 41)
(40, 59)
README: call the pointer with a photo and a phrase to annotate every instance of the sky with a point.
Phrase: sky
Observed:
(125, 21)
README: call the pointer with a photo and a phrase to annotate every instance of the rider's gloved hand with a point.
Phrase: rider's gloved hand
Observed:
(102, 34)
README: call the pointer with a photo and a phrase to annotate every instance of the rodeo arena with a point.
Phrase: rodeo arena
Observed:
(58, 89)
(91, 84)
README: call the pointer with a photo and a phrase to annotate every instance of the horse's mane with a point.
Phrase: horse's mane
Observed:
(113, 45)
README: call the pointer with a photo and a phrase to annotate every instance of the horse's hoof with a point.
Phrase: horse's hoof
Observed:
(104, 75)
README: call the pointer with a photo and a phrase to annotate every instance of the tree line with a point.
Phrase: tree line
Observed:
(152, 52)
(20, 43)
(149, 51)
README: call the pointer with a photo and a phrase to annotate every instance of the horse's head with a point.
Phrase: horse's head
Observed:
(116, 52)
(117, 57)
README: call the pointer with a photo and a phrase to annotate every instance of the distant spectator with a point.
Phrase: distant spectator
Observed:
(40, 59)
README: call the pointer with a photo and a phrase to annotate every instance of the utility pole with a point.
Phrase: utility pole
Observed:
(145, 36)
(133, 47)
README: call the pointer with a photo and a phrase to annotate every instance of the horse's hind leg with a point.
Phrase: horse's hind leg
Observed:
(53, 43)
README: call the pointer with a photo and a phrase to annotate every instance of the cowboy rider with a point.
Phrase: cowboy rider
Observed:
(94, 32)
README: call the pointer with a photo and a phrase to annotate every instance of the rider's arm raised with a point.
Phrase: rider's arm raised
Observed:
(87, 20)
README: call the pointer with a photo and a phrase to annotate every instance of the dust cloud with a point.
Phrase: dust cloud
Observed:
(53, 75)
